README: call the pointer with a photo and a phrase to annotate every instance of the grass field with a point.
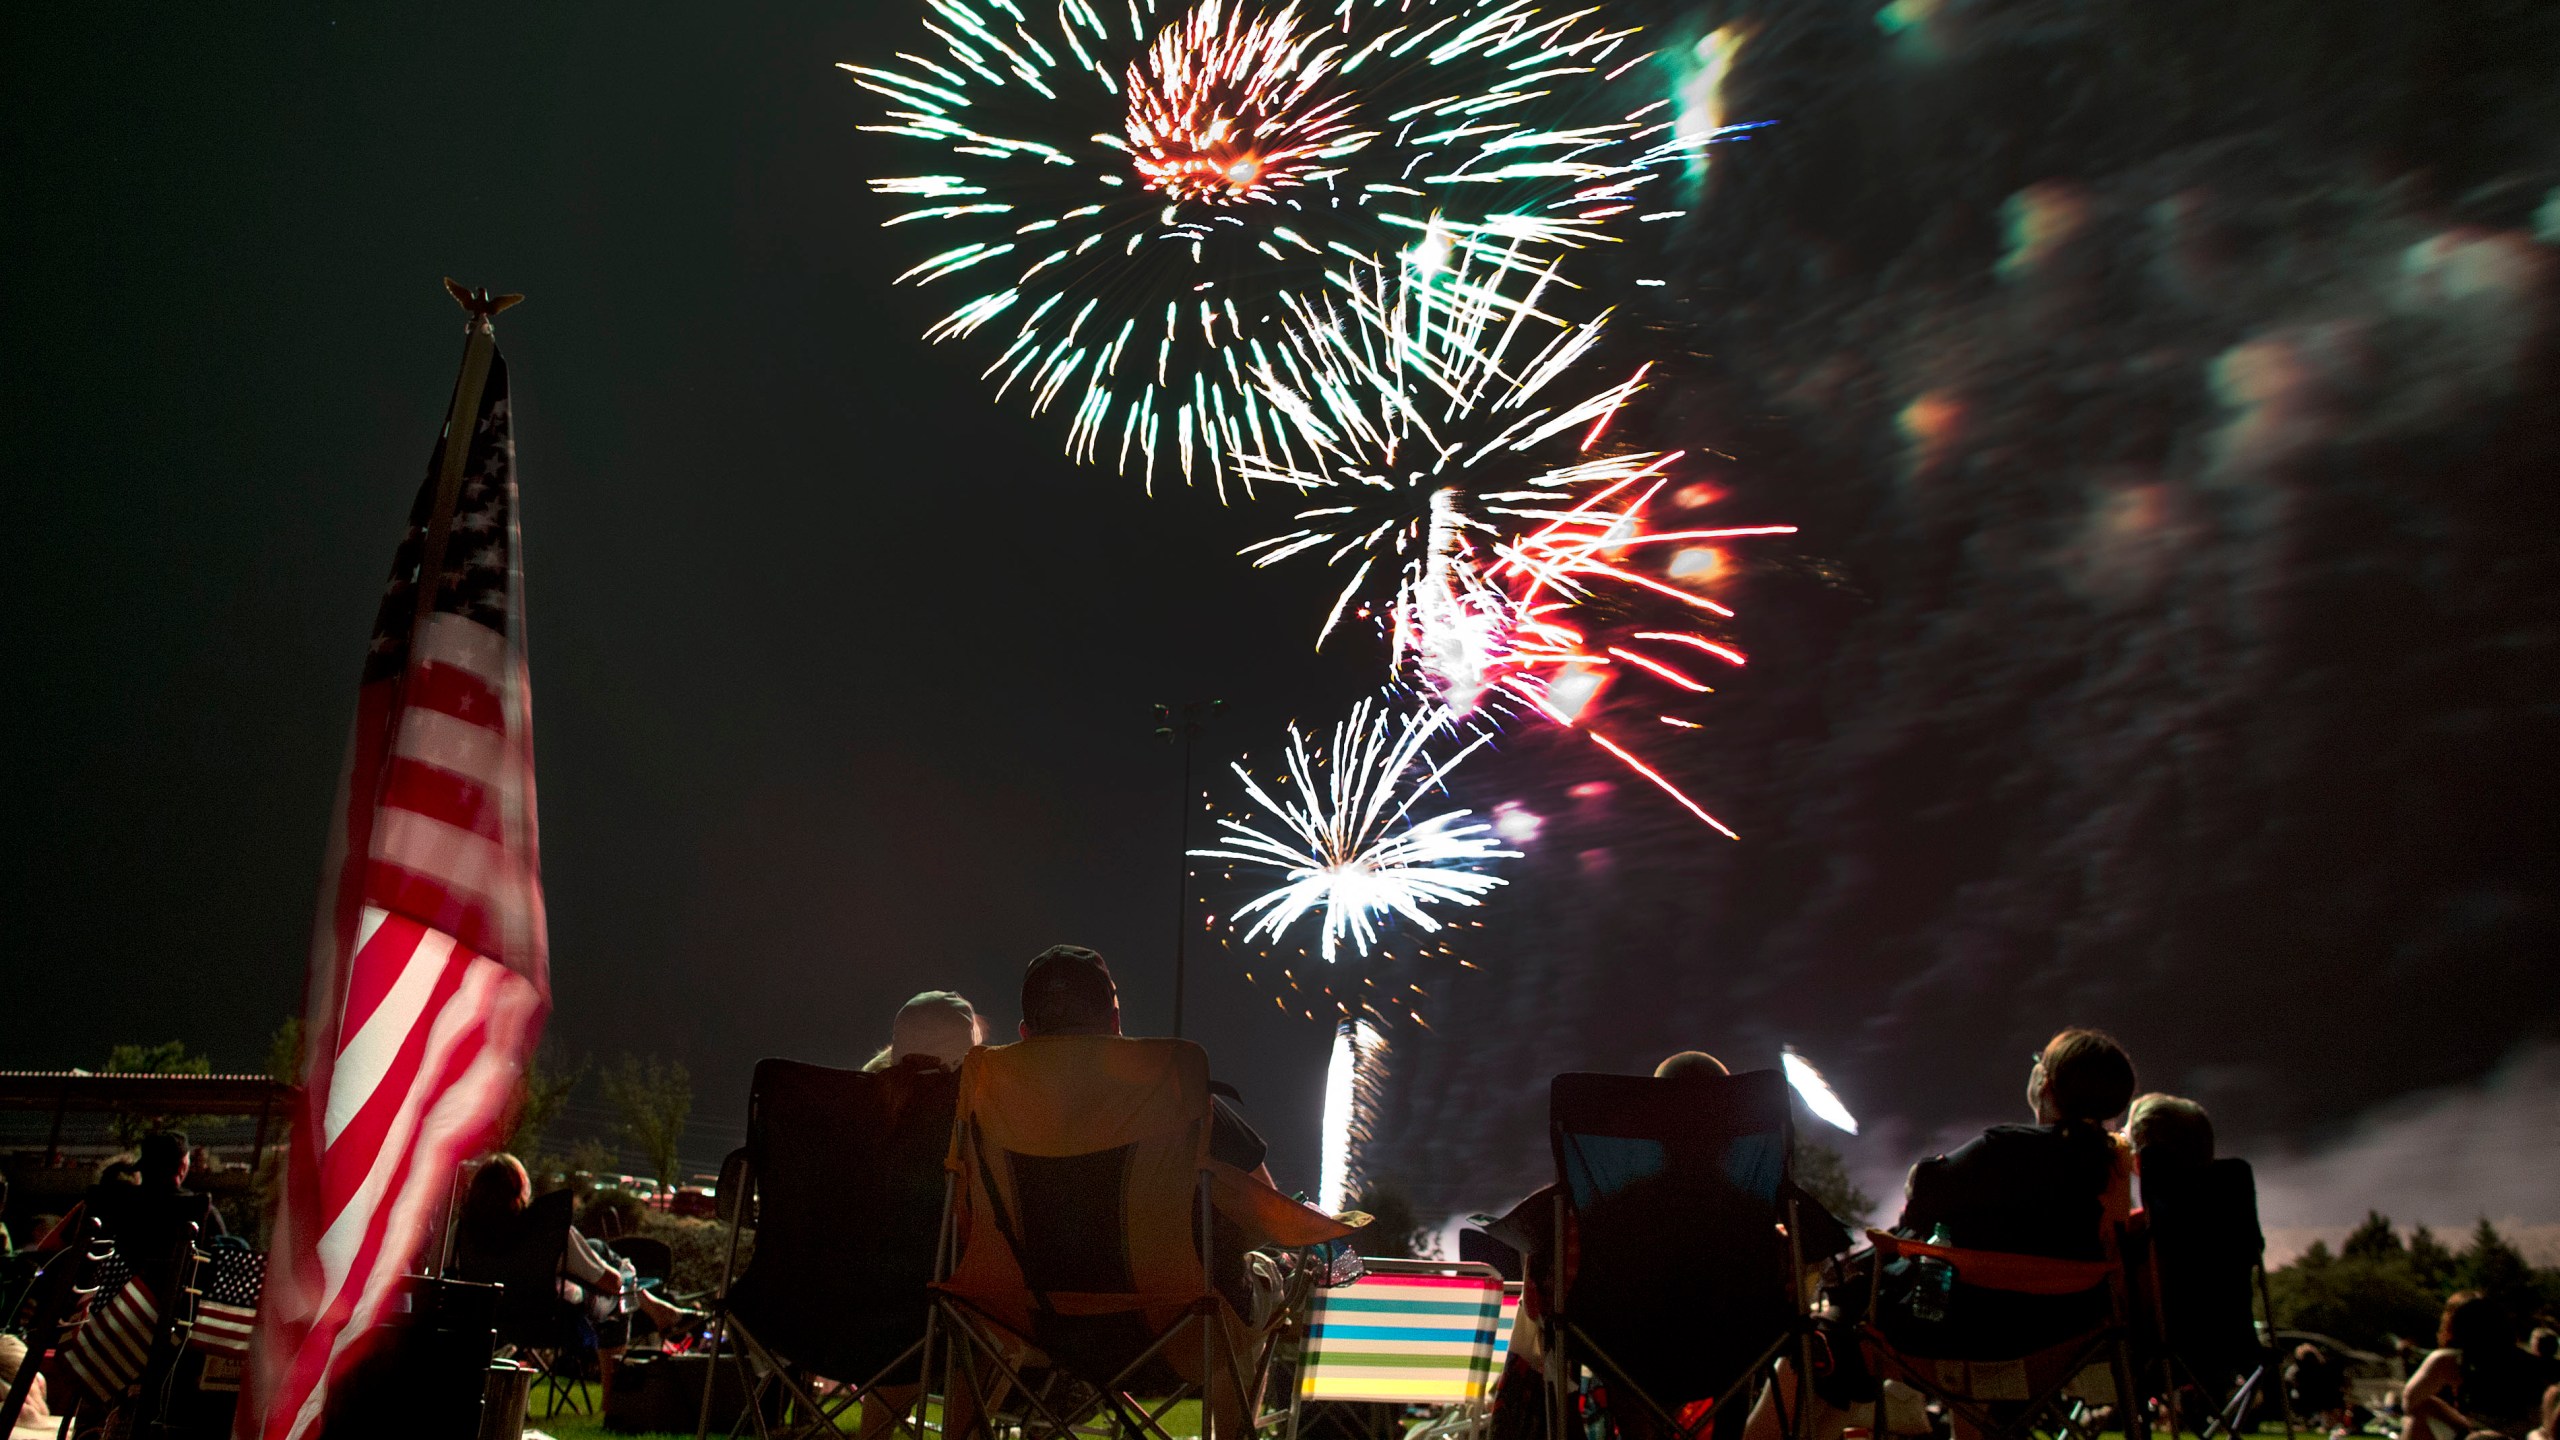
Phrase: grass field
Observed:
(1183, 1421)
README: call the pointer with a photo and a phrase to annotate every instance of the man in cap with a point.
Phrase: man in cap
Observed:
(940, 1025)
(1068, 990)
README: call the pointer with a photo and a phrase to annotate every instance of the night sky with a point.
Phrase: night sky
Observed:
(2184, 666)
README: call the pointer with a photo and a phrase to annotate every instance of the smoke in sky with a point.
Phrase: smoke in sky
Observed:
(2443, 1158)
(2170, 641)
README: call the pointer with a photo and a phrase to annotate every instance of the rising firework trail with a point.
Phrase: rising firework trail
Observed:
(1351, 1081)
(1458, 472)
(1349, 848)
(1134, 194)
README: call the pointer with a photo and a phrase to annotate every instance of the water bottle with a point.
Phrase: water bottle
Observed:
(1936, 1283)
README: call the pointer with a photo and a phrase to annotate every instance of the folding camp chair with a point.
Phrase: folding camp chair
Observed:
(2207, 1282)
(523, 1259)
(1667, 1275)
(842, 1175)
(174, 1272)
(56, 1302)
(116, 1322)
(1079, 1227)
(2054, 1388)
(1406, 1333)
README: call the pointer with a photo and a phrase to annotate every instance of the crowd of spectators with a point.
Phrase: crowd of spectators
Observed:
(2061, 1185)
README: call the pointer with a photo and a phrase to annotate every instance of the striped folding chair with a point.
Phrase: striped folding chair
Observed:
(1408, 1332)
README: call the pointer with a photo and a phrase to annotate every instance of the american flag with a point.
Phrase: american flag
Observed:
(227, 1308)
(107, 1353)
(429, 979)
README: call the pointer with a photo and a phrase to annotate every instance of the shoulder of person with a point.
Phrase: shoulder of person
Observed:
(2437, 1363)
(2006, 1141)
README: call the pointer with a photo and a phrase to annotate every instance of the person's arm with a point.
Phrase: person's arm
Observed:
(586, 1267)
(1235, 1142)
(2423, 1398)
(2118, 1202)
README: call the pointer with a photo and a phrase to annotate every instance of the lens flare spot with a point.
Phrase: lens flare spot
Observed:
(1697, 565)
(1572, 692)
(1930, 424)
(1517, 823)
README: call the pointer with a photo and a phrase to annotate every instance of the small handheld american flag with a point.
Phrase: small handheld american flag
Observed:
(429, 974)
(106, 1354)
(227, 1308)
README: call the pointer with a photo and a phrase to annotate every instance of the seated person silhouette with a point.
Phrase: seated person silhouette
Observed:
(2056, 1188)
(1071, 1236)
(2477, 1381)
(558, 1287)
(1617, 1264)
(2205, 1241)
(147, 1220)
(1068, 990)
(845, 1299)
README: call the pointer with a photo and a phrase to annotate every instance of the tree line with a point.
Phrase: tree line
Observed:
(649, 1101)
(2379, 1287)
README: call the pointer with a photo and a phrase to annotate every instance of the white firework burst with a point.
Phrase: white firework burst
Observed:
(1349, 846)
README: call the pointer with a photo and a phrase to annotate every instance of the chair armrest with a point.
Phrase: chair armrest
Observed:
(1999, 1270)
(1267, 1216)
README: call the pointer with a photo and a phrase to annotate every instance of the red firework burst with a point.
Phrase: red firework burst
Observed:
(1226, 109)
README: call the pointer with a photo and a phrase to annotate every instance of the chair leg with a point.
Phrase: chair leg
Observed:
(964, 1336)
(711, 1372)
(2129, 1404)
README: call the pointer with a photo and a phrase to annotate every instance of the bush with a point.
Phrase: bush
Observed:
(608, 1213)
(700, 1247)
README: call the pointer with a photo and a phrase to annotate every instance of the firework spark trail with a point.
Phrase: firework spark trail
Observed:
(1447, 462)
(1409, 394)
(1351, 1081)
(1350, 848)
(1141, 193)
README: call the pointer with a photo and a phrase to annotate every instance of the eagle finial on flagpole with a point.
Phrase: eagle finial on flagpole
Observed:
(480, 304)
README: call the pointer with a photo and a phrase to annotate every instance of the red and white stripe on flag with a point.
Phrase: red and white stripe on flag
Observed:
(429, 973)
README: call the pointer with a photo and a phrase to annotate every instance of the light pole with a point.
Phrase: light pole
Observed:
(1182, 732)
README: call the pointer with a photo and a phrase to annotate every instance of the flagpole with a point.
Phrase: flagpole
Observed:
(480, 342)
